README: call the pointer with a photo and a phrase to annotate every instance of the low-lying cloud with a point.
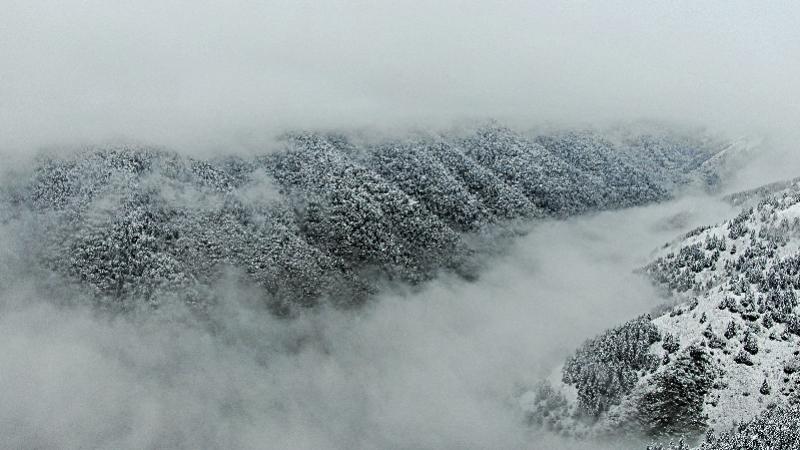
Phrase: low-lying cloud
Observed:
(436, 368)
(205, 75)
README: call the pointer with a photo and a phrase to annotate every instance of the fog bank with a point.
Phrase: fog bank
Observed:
(194, 75)
(438, 368)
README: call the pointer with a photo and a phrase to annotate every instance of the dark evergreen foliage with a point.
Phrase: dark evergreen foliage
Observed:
(775, 428)
(670, 343)
(312, 221)
(743, 358)
(674, 405)
(606, 368)
(750, 345)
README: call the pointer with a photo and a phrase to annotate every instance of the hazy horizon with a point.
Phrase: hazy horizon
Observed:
(198, 75)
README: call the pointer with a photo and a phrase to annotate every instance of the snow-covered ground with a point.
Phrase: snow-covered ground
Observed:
(733, 294)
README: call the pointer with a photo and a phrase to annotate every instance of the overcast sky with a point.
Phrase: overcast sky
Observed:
(186, 73)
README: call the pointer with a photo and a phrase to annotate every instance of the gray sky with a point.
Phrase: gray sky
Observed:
(199, 73)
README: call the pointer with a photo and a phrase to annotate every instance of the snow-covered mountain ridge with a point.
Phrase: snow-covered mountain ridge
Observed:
(325, 216)
(724, 352)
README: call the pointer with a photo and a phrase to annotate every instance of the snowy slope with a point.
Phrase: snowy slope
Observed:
(322, 218)
(724, 351)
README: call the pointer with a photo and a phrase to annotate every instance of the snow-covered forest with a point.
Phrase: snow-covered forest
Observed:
(331, 222)
(719, 357)
(324, 218)
(339, 224)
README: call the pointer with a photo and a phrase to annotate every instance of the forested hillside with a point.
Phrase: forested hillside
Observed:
(724, 352)
(325, 217)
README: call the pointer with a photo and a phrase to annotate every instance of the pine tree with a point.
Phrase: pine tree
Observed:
(765, 389)
(670, 343)
(730, 330)
(750, 343)
(675, 403)
(767, 320)
(743, 358)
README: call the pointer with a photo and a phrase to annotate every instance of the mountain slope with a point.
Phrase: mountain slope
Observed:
(322, 219)
(724, 351)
